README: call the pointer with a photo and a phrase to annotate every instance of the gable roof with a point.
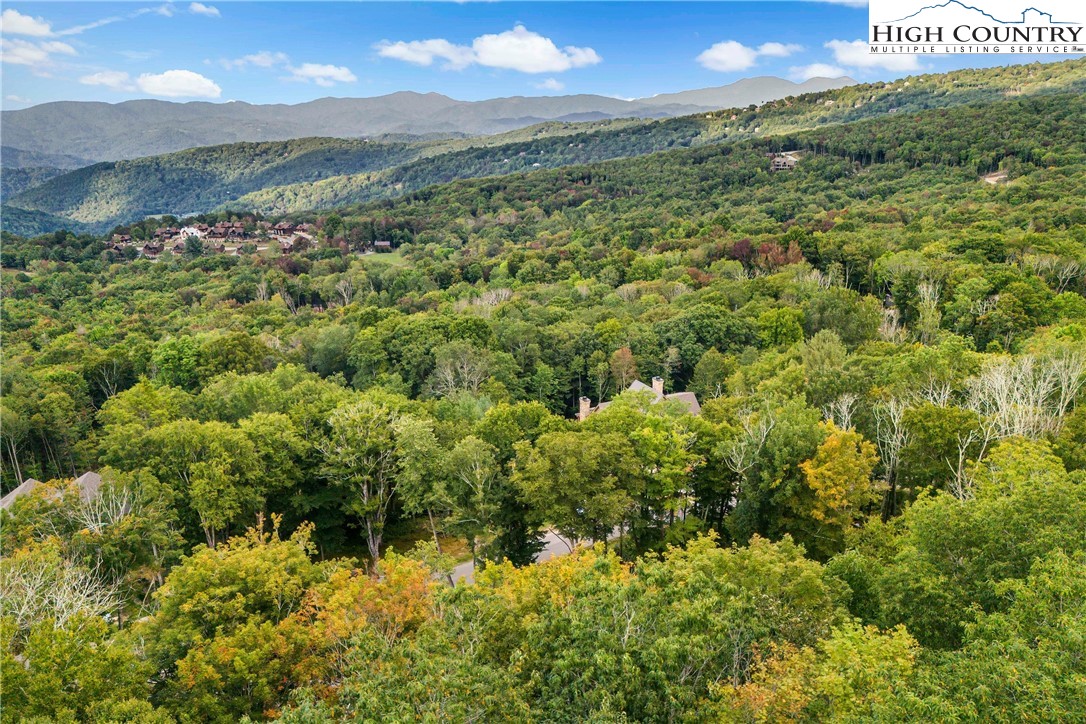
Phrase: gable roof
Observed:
(25, 489)
(689, 399)
(88, 484)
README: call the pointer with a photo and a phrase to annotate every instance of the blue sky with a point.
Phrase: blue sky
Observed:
(290, 52)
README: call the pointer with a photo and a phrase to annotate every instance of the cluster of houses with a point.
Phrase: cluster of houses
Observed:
(221, 238)
(227, 237)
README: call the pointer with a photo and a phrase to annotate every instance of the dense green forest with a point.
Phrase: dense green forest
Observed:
(278, 177)
(14, 180)
(878, 514)
(843, 105)
(202, 179)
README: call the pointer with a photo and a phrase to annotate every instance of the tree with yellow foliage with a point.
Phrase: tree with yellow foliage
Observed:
(839, 475)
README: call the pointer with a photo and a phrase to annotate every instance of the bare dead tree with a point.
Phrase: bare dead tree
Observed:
(984, 306)
(345, 289)
(1068, 271)
(1058, 271)
(288, 300)
(816, 277)
(107, 508)
(742, 453)
(840, 411)
(927, 327)
(891, 330)
(961, 484)
(108, 378)
(33, 590)
(1027, 396)
(263, 291)
(459, 369)
(1068, 369)
(935, 392)
(676, 290)
(891, 437)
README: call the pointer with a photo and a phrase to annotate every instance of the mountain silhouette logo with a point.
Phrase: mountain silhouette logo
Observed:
(1043, 17)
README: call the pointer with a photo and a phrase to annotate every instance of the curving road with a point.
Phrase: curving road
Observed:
(553, 547)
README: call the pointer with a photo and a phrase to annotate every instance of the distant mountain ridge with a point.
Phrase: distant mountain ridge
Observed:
(133, 129)
(296, 176)
(748, 91)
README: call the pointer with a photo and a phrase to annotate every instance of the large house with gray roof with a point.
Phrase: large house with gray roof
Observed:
(689, 399)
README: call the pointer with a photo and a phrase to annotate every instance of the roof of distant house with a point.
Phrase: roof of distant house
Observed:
(687, 398)
(25, 489)
(88, 484)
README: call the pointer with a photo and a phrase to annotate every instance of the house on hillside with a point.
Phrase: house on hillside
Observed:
(783, 162)
(689, 399)
(193, 231)
(382, 246)
(151, 249)
(88, 484)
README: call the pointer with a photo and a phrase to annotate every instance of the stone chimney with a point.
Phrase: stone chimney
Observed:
(584, 407)
(658, 386)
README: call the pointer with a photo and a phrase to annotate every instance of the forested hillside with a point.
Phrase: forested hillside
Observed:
(202, 179)
(843, 105)
(199, 180)
(878, 513)
(323, 173)
(14, 180)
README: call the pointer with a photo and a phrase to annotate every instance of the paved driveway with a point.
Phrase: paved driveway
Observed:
(553, 547)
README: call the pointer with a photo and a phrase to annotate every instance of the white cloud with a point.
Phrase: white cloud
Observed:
(517, 49)
(18, 99)
(778, 50)
(138, 54)
(263, 59)
(178, 84)
(731, 55)
(116, 80)
(24, 52)
(816, 70)
(322, 75)
(425, 52)
(13, 22)
(728, 56)
(551, 84)
(521, 49)
(201, 9)
(855, 54)
(55, 46)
